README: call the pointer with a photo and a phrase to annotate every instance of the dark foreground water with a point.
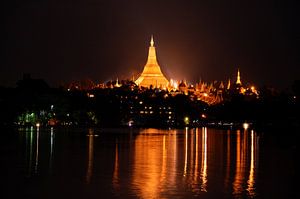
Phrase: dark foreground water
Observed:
(147, 163)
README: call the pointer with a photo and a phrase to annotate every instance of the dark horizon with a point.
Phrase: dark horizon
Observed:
(62, 41)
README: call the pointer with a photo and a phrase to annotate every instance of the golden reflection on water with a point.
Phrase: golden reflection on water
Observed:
(170, 161)
(161, 155)
(147, 167)
(239, 169)
(244, 164)
(253, 165)
(185, 151)
(204, 160)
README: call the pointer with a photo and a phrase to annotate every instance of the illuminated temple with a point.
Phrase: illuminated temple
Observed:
(152, 75)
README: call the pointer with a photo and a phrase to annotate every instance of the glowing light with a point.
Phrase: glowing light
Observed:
(205, 94)
(186, 120)
(37, 125)
(152, 75)
(246, 126)
(203, 116)
(91, 95)
(130, 123)
(251, 180)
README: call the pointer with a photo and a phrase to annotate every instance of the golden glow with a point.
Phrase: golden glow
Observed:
(89, 172)
(152, 41)
(241, 157)
(186, 120)
(164, 161)
(154, 163)
(204, 160)
(152, 75)
(238, 78)
(251, 180)
(245, 125)
(185, 151)
(196, 172)
(146, 165)
(243, 90)
(173, 84)
(238, 180)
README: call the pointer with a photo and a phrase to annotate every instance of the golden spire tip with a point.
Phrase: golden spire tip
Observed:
(152, 41)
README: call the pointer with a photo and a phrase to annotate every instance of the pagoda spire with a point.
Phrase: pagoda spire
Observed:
(152, 41)
(228, 84)
(238, 78)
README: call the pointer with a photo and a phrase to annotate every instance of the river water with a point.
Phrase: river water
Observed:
(147, 163)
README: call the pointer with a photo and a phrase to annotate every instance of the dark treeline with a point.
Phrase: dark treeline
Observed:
(33, 101)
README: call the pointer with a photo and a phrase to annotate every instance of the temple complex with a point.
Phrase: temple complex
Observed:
(152, 75)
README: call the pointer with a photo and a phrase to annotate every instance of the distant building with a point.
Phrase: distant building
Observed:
(152, 75)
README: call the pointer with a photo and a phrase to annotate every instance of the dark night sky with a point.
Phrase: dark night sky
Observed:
(64, 40)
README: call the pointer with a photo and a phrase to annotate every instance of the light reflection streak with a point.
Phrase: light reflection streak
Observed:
(51, 147)
(227, 177)
(89, 172)
(238, 180)
(196, 157)
(192, 152)
(174, 135)
(147, 164)
(204, 160)
(37, 150)
(185, 152)
(154, 166)
(251, 180)
(30, 152)
(164, 161)
(116, 180)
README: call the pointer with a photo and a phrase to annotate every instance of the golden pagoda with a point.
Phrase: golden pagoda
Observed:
(152, 75)
(238, 78)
